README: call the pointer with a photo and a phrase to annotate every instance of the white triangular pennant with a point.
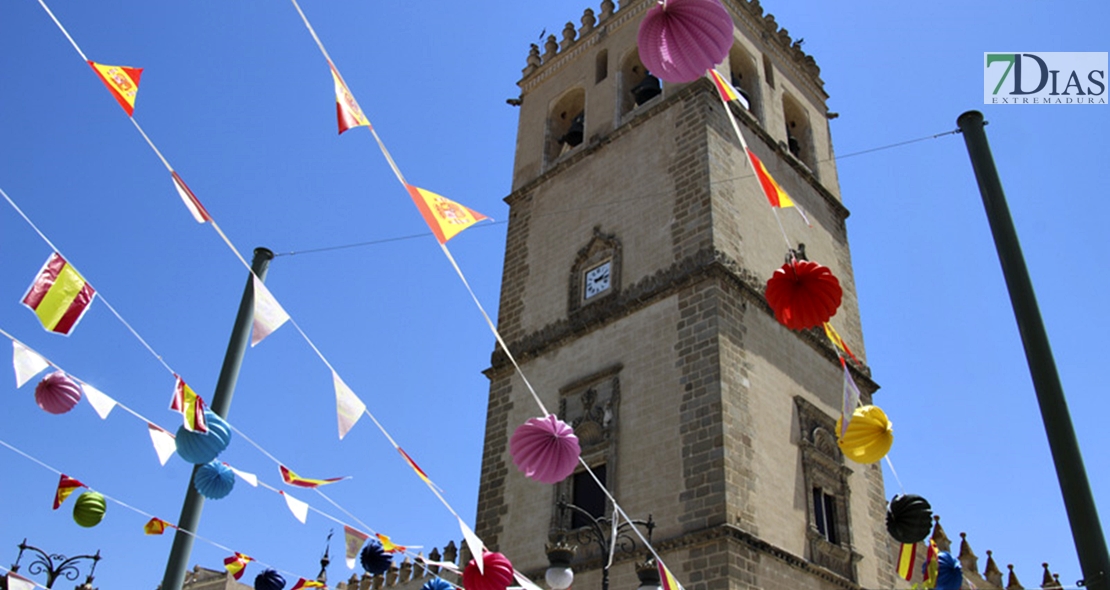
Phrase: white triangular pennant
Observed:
(27, 363)
(163, 441)
(98, 400)
(250, 478)
(268, 313)
(298, 508)
(18, 582)
(348, 407)
(475, 544)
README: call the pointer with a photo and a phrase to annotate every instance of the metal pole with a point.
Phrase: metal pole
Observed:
(220, 403)
(1086, 528)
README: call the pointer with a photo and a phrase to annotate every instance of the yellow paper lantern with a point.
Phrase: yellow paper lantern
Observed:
(869, 435)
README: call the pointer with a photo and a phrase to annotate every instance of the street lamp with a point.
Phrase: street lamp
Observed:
(44, 562)
(599, 530)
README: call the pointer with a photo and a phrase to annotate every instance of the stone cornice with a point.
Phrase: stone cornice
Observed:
(724, 531)
(704, 265)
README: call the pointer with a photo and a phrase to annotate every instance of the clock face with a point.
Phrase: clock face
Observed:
(598, 279)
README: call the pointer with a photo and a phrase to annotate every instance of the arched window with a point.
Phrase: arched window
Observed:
(566, 124)
(637, 85)
(744, 77)
(799, 133)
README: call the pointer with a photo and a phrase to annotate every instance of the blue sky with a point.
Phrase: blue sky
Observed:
(239, 99)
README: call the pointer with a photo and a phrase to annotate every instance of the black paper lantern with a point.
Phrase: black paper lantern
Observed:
(909, 518)
(269, 580)
(374, 559)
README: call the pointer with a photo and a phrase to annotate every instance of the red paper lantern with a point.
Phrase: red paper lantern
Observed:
(679, 40)
(803, 294)
(57, 393)
(498, 573)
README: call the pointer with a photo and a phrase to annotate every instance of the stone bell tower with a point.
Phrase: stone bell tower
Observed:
(638, 248)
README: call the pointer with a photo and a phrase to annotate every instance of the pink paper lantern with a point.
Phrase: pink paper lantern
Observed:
(680, 40)
(57, 393)
(545, 449)
(498, 573)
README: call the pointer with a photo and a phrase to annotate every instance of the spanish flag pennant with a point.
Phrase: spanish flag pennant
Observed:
(303, 583)
(156, 526)
(667, 579)
(907, 555)
(346, 107)
(388, 545)
(66, 486)
(775, 195)
(837, 341)
(727, 92)
(190, 405)
(291, 478)
(122, 82)
(415, 467)
(237, 564)
(59, 295)
(354, 539)
(444, 217)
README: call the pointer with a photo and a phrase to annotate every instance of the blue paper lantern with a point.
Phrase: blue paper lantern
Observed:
(374, 559)
(437, 583)
(199, 448)
(269, 580)
(950, 575)
(214, 480)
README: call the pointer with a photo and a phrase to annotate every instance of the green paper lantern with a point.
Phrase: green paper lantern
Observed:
(89, 509)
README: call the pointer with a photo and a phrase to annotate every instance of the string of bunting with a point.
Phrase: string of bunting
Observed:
(790, 292)
(450, 219)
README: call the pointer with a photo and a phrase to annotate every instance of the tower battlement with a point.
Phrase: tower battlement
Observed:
(595, 25)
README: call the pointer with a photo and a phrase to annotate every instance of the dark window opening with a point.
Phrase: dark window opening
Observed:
(601, 69)
(588, 496)
(824, 513)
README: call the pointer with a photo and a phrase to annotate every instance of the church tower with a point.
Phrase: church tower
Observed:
(638, 248)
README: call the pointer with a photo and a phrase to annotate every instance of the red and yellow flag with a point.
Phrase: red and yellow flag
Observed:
(122, 82)
(59, 295)
(66, 486)
(667, 579)
(293, 479)
(388, 545)
(775, 195)
(415, 467)
(907, 555)
(346, 107)
(931, 567)
(726, 91)
(191, 406)
(156, 526)
(837, 341)
(303, 583)
(237, 564)
(191, 201)
(445, 217)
